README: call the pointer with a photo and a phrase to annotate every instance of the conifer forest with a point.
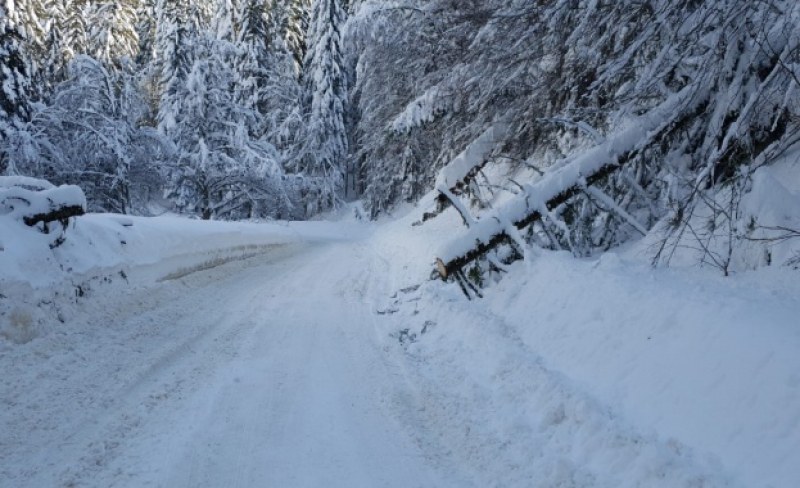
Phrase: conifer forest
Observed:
(231, 109)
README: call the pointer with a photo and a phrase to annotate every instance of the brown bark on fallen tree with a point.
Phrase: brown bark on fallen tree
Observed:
(443, 202)
(34, 202)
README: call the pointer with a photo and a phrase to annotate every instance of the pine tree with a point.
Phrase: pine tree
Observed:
(30, 17)
(221, 170)
(198, 14)
(54, 64)
(75, 35)
(174, 39)
(15, 87)
(145, 31)
(227, 20)
(146, 56)
(294, 21)
(323, 155)
(254, 61)
(89, 132)
(255, 18)
(113, 34)
(269, 83)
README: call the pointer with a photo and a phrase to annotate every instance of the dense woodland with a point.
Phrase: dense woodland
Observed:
(235, 109)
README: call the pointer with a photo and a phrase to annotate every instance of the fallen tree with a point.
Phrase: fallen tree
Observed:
(557, 187)
(60, 214)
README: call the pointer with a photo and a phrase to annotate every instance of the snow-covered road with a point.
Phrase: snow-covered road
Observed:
(324, 361)
(261, 372)
(306, 401)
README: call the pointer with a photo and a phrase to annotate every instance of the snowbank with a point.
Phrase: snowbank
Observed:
(766, 230)
(685, 355)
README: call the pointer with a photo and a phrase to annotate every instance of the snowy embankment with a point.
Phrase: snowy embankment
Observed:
(606, 371)
(37, 282)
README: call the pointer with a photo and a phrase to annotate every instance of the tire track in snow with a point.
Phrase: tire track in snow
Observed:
(126, 364)
(304, 404)
(257, 372)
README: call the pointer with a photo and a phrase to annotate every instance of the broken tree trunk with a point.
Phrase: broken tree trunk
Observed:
(559, 186)
(459, 173)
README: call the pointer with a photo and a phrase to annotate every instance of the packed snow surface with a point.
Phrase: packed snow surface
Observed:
(320, 354)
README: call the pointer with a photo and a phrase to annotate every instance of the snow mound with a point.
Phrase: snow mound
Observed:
(773, 210)
(22, 197)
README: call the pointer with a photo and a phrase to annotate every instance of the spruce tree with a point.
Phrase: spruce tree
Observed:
(323, 155)
(113, 34)
(75, 35)
(174, 38)
(145, 31)
(295, 20)
(30, 17)
(253, 62)
(15, 86)
(221, 169)
(54, 64)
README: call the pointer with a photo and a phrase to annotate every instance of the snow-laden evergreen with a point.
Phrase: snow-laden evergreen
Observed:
(112, 33)
(370, 99)
(569, 74)
(222, 168)
(91, 134)
(581, 269)
(322, 155)
(15, 89)
(75, 20)
(293, 16)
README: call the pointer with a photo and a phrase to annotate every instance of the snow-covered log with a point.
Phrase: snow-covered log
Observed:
(560, 185)
(458, 174)
(35, 201)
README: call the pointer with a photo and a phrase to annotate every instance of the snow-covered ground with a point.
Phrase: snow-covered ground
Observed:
(605, 372)
(38, 284)
(168, 352)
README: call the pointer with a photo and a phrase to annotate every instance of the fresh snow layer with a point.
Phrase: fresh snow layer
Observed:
(254, 373)
(105, 241)
(320, 354)
(683, 377)
(474, 155)
(710, 363)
